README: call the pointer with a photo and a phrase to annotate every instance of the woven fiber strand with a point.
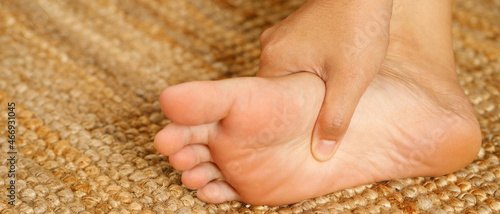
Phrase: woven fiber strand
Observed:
(86, 75)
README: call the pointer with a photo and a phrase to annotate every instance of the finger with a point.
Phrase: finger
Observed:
(200, 175)
(217, 192)
(343, 92)
(190, 156)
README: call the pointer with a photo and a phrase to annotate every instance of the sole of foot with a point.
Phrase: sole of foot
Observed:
(249, 139)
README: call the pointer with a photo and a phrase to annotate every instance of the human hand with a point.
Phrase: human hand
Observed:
(344, 42)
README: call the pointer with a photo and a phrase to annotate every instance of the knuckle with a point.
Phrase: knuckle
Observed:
(268, 45)
(334, 124)
(264, 37)
(267, 54)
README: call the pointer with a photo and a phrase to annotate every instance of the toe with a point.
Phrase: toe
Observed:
(217, 192)
(190, 156)
(174, 137)
(198, 102)
(200, 175)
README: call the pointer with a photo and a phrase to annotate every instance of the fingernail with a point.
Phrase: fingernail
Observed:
(324, 149)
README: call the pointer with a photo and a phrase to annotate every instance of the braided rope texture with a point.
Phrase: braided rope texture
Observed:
(86, 75)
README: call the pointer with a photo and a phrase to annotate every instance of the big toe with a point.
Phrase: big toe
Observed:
(196, 103)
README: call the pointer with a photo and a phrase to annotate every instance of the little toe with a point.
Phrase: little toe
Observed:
(217, 192)
(190, 156)
(174, 137)
(200, 175)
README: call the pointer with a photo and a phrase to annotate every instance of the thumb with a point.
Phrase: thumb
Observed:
(343, 92)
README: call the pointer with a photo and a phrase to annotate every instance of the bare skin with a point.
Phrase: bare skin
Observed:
(248, 139)
(344, 42)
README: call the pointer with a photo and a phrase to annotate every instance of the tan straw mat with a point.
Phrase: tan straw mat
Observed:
(85, 77)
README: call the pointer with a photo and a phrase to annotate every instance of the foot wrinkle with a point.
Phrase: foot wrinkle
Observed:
(217, 95)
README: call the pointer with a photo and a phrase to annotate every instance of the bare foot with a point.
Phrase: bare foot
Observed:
(249, 139)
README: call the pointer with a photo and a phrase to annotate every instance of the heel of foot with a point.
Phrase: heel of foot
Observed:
(458, 144)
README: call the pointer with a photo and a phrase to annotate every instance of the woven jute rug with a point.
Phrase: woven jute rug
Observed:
(85, 78)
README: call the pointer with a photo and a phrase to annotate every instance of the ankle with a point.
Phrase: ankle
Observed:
(426, 24)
